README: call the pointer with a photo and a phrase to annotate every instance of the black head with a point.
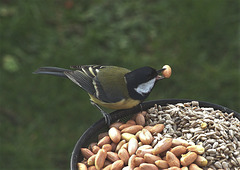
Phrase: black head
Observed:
(140, 82)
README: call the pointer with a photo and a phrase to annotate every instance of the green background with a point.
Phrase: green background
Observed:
(42, 117)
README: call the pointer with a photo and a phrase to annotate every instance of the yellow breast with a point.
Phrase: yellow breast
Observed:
(122, 104)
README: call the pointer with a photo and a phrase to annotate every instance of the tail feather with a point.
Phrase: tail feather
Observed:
(56, 71)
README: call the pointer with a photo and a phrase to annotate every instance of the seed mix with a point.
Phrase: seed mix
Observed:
(216, 131)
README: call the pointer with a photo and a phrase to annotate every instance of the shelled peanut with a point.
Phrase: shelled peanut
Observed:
(129, 146)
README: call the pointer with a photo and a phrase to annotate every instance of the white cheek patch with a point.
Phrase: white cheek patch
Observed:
(145, 87)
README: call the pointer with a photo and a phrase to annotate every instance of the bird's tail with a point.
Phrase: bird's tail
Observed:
(51, 71)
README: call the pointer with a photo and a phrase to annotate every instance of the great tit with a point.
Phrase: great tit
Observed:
(110, 86)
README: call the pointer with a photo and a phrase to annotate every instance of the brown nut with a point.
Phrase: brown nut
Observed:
(137, 168)
(117, 165)
(196, 148)
(120, 144)
(162, 164)
(179, 141)
(146, 137)
(145, 147)
(112, 156)
(184, 168)
(114, 134)
(132, 122)
(100, 159)
(179, 150)
(81, 166)
(158, 128)
(108, 167)
(128, 136)
(144, 113)
(123, 155)
(167, 72)
(116, 125)
(201, 161)
(104, 140)
(149, 128)
(142, 152)
(188, 158)
(148, 166)
(90, 146)
(91, 160)
(140, 119)
(150, 158)
(131, 162)
(194, 167)
(123, 126)
(137, 134)
(132, 146)
(95, 149)
(162, 146)
(125, 146)
(138, 161)
(86, 153)
(107, 147)
(172, 160)
(114, 146)
(132, 129)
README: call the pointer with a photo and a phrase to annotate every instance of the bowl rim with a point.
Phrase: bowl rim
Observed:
(115, 115)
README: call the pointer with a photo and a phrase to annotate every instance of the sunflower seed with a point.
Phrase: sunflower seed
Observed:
(218, 165)
(220, 137)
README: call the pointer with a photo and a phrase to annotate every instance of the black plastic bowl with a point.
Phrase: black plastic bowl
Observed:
(91, 133)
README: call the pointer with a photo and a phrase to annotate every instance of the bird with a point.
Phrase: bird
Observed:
(112, 87)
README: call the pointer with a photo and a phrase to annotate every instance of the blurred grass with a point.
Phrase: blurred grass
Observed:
(41, 117)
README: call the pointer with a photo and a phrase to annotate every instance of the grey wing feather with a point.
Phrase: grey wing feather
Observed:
(84, 76)
(82, 80)
(100, 93)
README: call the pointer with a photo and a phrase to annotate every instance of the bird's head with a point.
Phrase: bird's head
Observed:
(140, 82)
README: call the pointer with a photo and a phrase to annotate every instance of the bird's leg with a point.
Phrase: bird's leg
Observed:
(105, 115)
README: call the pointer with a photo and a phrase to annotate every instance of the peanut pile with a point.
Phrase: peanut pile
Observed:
(129, 146)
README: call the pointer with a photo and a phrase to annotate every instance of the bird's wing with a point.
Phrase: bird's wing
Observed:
(84, 76)
(94, 81)
(89, 70)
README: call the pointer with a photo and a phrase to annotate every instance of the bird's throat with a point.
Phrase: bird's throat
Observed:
(146, 87)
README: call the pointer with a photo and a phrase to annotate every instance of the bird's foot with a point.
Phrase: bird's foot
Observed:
(106, 116)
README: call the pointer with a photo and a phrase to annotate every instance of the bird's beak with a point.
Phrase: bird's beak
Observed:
(159, 71)
(159, 77)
